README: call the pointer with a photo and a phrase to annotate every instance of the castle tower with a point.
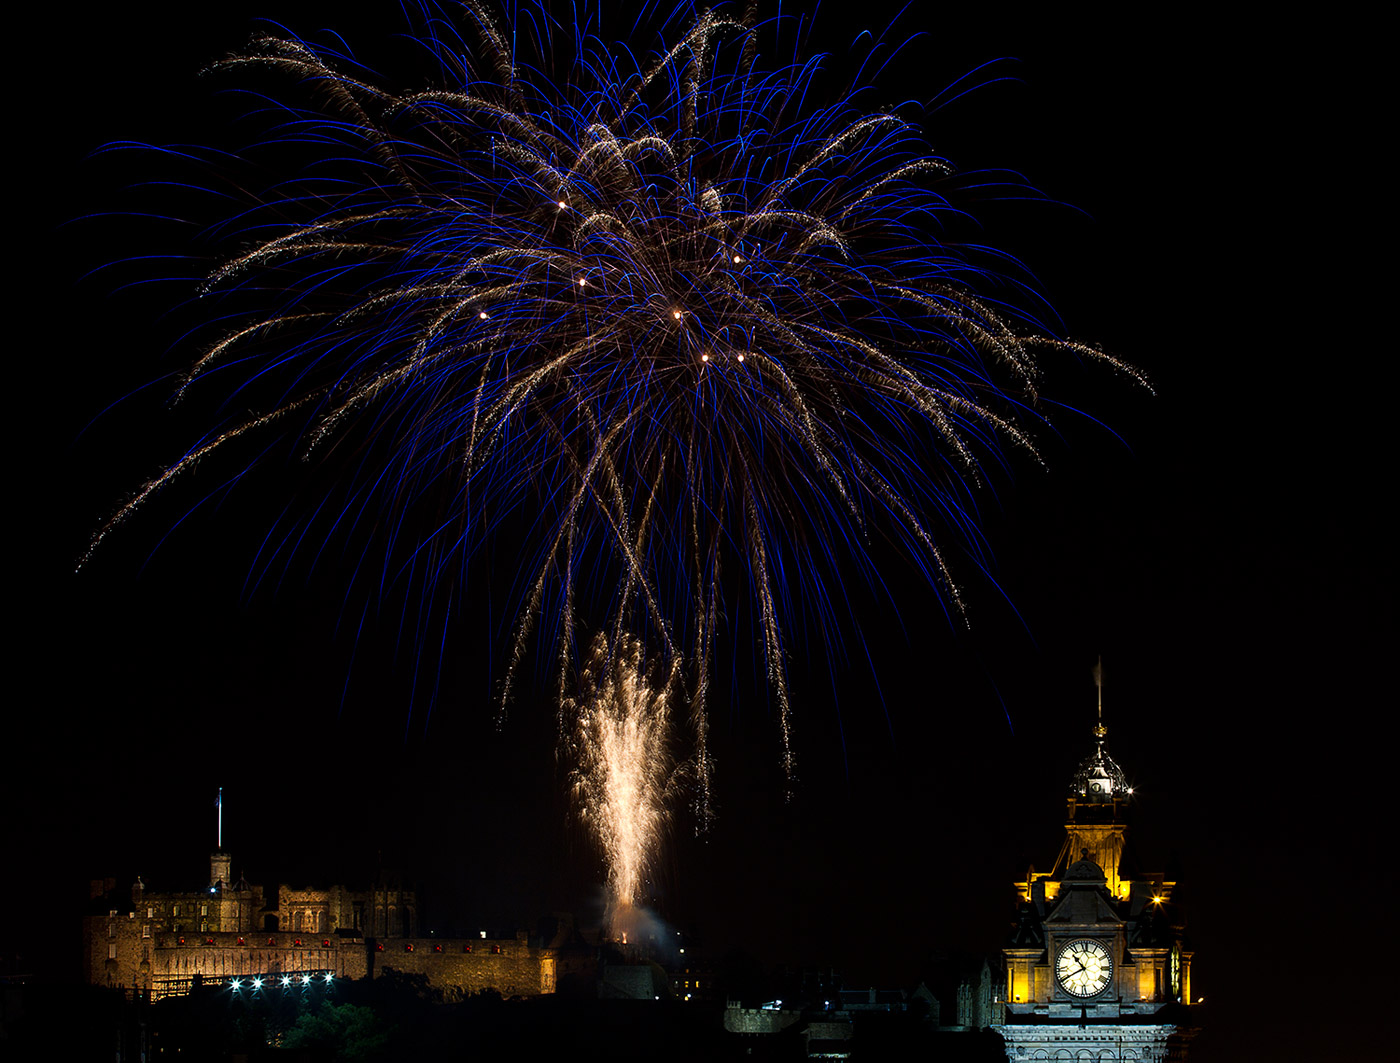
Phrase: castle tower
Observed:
(220, 868)
(1095, 962)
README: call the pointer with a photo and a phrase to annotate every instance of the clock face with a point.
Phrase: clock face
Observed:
(1084, 968)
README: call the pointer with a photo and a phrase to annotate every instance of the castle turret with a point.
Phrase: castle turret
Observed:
(220, 868)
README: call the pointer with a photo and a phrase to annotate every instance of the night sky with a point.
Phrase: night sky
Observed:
(1222, 549)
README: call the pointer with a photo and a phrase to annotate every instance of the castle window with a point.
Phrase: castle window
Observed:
(204, 909)
(111, 952)
(174, 909)
(146, 931)
(111, 930)
(150, 913)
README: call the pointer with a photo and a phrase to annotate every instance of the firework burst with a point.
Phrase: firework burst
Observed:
(690, 325)
(617, 735)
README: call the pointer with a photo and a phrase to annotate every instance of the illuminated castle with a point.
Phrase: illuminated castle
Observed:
(1096, 962)
(161, 943)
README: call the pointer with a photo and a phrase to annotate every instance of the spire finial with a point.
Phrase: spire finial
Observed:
(220, 804)
(1099, 729)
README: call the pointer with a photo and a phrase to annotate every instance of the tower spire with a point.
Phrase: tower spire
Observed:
(220, 805)
(1099, 729)
(1099, 777)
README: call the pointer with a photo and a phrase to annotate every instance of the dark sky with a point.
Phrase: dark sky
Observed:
(1224, 556)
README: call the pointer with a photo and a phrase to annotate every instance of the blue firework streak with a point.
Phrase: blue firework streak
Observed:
(687, 316)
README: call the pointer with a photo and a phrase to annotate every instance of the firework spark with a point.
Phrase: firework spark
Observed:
(622, 770)
(687, 323)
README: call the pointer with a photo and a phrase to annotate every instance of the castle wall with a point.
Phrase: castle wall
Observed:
(123, 950)
(463, 967)
(758, 1020)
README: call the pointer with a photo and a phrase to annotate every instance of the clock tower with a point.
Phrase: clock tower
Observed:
(1095, 961)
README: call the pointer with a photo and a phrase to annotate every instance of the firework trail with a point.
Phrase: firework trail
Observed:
(685, 321)
(622, 770)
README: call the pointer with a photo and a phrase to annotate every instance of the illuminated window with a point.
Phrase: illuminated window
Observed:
(174, 909)
(111, 952)
(111, 930)
(204, 909)
(150, 913)
(146, 931)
